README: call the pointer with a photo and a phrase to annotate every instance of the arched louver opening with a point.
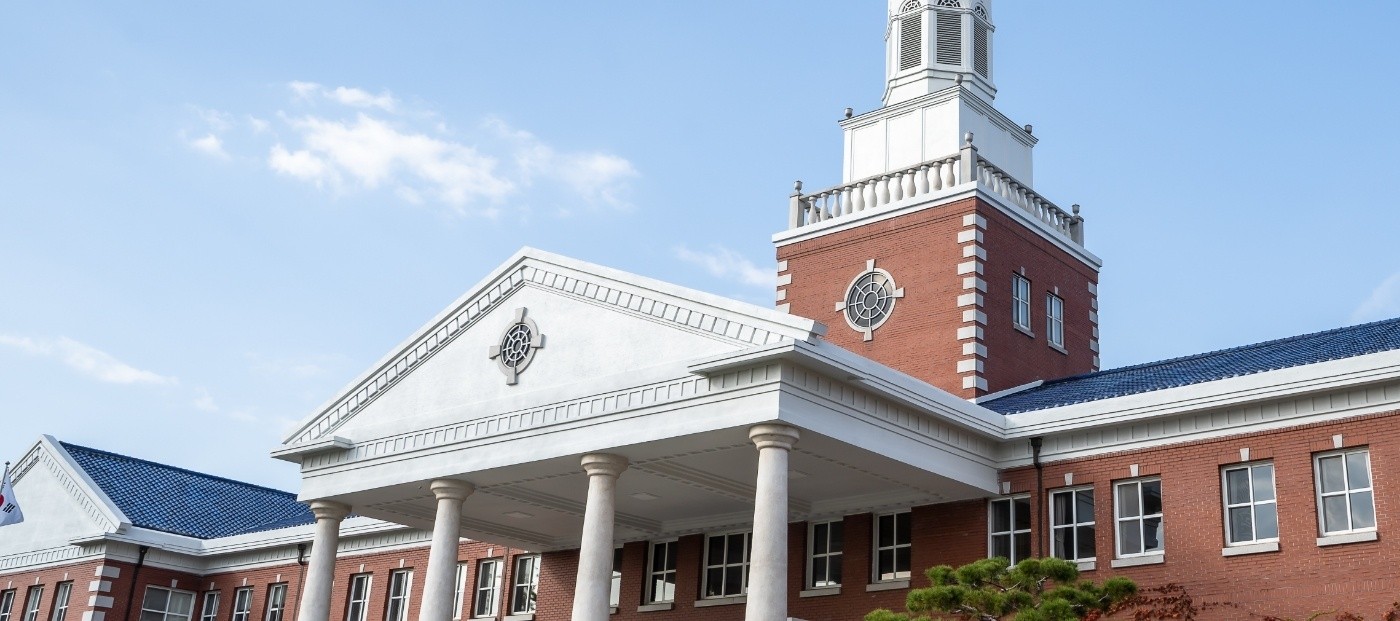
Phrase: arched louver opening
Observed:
(981, 32)
(910, 36)
(949, 37)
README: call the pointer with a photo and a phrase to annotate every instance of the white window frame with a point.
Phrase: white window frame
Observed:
(461, 581)
(1346, 492)
(528, 566)
(1055, 320)
(1141, 518)
(400, 590)
(62, 593)
(1076, 522)
(1010, 535)
(33, 598)
(209, 606)
(242, 609)
(276, 606)
(894, 549)
(831, 555)
(7, 603)
(492, 590)
(1252, 504)
(357, 609)
(170, 595)
(1021, 302)
(668, 551)
(725, 563)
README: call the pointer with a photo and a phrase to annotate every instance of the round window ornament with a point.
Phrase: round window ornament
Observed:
(517, 346)
(869, 300)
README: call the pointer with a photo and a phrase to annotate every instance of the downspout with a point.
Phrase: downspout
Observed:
(301, 578)
(135, 573)
(1039, 497)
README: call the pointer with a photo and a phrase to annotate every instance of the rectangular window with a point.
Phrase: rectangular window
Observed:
(488, 588)
(63, 591)
(209, 609)
(166, 605)
(525, 583)
(1055, 320)
(1251, 510)
(31, 602)
(615, 586)
(7, 604)
(1010, 528)
(1072, 524)
(824, 549)
(726, 565)
(400, 585)
(243, 604)
(276, 602)
(892, 546)
(661, 585)
(1139, 506)
(461, 583)
(1021, 301)
(1344, 499)
(357, 607)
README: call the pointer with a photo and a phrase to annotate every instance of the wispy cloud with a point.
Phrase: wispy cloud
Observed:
(204, 402)
(1383, 303)
(209, 145)
(85, 359)
(722, 262)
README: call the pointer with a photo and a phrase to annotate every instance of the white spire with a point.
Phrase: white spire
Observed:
(930, 44)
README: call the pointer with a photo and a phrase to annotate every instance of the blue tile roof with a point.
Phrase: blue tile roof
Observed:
(175, 500)
(1267, 356)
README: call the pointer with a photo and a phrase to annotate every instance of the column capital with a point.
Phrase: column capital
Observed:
(605, 464)
(329, 509)
(451, 489)
(773, 435)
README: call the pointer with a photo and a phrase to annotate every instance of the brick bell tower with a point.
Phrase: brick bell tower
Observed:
(935, 255)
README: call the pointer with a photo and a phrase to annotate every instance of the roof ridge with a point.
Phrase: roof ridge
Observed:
(69, 446)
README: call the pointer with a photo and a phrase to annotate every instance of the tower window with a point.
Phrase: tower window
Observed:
(1021, 302)
(1055, 320)
(869, 300)
(910, 45)
(981, 50)
(949, 35)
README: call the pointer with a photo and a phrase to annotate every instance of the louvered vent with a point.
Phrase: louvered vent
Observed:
(910, 53)
(949, 38)
(979, 49)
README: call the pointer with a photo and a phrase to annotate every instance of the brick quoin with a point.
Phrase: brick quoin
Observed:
(922, 253)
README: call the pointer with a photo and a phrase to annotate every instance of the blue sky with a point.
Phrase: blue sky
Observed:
(212, 216)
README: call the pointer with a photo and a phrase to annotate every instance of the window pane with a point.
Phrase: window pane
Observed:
(664, 588)
(1084, 505)
(735, 549)
(1241, 525)
(716, 555)
(1331, 475)
(819, 570)
(1152, 534)
(1001, 516)
(885, 526)
(1266, 521)
(901, 562)
(1062, 508)
(733, 580)
(658, 557)
(671, 556)
(819, 539)
(1334, 514)
(1001, 546)
(1237, 486)
(836, 536)
(1363, 511)
(901, 528)
(884, 564)
(1062, 543)
(1263, 482)
(1023, 513)
(1358, 470)
(1129, 537)
(156, 599)
(1023, 547)
(833, 570)
(1084, 537)
(714, 582)
(147, 615)
(1128, 500)
(1151, 497)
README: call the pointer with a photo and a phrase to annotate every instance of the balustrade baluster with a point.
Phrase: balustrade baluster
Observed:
(909, 182)
(858, 196)
(921, 180)
(950, 177)
(896, 187)
(882, 191)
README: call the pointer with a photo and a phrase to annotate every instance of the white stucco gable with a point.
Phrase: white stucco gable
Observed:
(61, 504)
(603, 330)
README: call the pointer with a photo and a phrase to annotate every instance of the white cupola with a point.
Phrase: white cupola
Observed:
(934, 44)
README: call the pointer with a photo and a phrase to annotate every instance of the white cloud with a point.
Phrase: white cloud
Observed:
(209, 145)
(1383, 303)
(303, 90)
(722, 262)
(598, 178)
(205, 402)
(362, 99)
(258, 125)
(86, 360)
(301, 164)
(216, 121)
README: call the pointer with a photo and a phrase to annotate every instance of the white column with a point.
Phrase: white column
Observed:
(320, 570)
(438, 588)
(595, 553)
(768, 597)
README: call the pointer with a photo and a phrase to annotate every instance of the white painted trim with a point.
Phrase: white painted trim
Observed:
(721, 601)
(888, 585)
(1336, 540)
(1009, 391)
(1249, 548)
(1135, 561)
(822, 592)
(1087, 565)
(657, 607)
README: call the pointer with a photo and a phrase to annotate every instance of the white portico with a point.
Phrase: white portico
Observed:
(560, 405)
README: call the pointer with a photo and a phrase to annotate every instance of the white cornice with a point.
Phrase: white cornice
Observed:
(951, 93)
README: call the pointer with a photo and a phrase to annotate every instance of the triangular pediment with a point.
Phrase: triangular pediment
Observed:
(584, 329)
(60, 504)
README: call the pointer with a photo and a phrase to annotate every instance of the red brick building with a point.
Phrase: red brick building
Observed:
(927, 392)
